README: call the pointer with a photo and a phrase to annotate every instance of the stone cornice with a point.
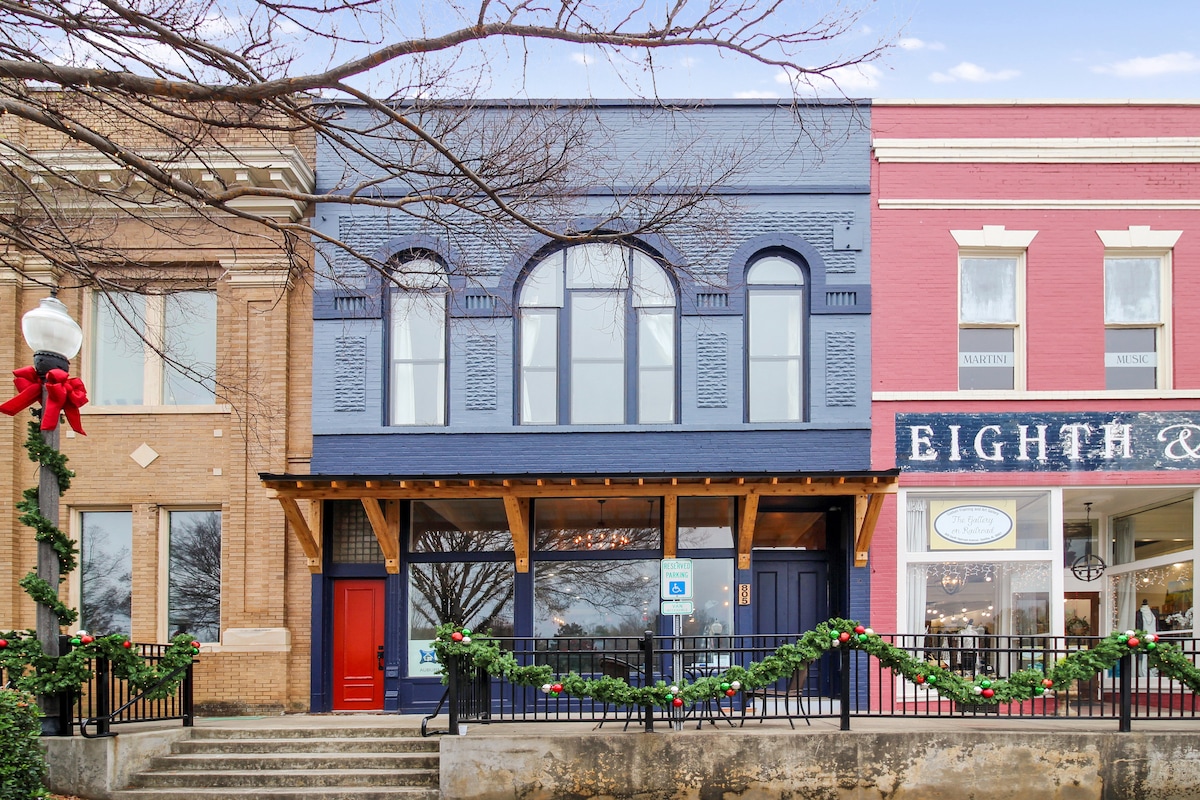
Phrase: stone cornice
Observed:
(280, 169)
(1100, 150)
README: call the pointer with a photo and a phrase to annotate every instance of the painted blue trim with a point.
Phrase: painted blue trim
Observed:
(395, 634)
(549, 452)
(319, 663)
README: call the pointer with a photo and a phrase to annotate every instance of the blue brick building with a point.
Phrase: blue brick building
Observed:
(510, 433)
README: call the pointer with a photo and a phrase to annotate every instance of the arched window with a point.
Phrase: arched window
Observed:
(775, 331)
(597, 339)
(418, 342)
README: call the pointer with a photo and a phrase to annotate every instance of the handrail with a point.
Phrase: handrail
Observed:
(103, 721)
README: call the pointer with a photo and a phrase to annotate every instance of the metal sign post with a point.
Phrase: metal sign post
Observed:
(675, 591)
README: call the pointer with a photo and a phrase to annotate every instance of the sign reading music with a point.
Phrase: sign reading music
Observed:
(1048, 441)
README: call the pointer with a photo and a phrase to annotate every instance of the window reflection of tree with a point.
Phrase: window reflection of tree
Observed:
(475, 594)
(194, 591)
(106, 579)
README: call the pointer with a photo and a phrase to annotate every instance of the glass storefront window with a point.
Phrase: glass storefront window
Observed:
(591, 524)
(1000, 598)
(460, 526)
(957, 521)
(595, 598)
(713, 599)
(705, 522)
(477, 595)
(1153, 532)
(1156, 598)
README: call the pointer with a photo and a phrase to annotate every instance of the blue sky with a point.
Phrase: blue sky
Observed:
(944, 49)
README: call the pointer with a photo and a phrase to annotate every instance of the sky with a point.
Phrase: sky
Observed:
(941, 49)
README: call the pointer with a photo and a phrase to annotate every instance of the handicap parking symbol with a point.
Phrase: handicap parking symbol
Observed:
(677, 588)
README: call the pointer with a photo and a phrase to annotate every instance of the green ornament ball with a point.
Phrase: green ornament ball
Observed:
(724, 687)
(931, 679)
(75, 641)
(985, 683)
(834, 634)
(466, 632)
(1151, 645)
(862, 637)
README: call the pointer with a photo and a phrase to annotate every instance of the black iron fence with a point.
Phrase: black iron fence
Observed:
(106, 700)
(842, 684)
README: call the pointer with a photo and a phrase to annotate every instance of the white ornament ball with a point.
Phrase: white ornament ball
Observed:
(977, 690)
(837, 643)
(546, 688)
(735, 685)
(1129, 633)
(673, 689)
(1048, 693)
(869, 632)
(466, 640)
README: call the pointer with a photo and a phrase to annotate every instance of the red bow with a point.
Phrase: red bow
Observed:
(64, 394)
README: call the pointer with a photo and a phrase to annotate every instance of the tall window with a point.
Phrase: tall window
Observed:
(1133, 319)
(597, 339)
(989, 322)
(418, 343)
(194, 574)
(154, 349)
(775, 340)
(106, 571)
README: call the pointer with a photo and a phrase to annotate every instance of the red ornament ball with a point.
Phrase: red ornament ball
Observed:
(3, 643)
(86, 639)
(919, 679)
(989, 692)
(730, 692)
(859, 629)
(1047, 682)
(843, 637)
(558, 687)
(1133, 642)
(127, 644)
(677, 702)
(456, 636)
(196, 645)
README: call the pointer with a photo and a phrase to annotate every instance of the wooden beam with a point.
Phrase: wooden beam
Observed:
(670, 526)
(389, 540)
(517, 509)
(409, 490)
(309, 543)
(865, 529)
(746, 530)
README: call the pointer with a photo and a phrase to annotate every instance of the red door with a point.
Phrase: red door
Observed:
(358, 645)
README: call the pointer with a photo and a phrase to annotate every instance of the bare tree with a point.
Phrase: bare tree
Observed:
(191, 104)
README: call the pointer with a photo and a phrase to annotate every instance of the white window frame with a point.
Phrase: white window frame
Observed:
(1140, 241)
(1162, 329)
(995, 241)
(153, 365)
(163, 624)
(422, 291)
(74, 582)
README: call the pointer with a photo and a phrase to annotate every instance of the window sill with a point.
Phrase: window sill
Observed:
(216, 408)
(1009, 395)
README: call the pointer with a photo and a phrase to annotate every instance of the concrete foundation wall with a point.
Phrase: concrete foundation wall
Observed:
(95, 768)
(854, 766)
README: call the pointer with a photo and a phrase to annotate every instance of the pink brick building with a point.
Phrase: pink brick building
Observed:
(1035, 318)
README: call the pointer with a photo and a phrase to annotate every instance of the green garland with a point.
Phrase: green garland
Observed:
(21, 654)
(485, 653)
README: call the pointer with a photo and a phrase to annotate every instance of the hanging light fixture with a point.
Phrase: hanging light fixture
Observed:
(952, 583)
(1089, 566)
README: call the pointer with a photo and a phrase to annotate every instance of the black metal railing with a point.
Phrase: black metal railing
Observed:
(842, 684)
(106, 700)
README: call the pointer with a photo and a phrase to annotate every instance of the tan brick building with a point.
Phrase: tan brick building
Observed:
(182, 418)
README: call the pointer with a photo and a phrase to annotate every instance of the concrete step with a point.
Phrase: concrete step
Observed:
(316, 744)
(284, 732)
(317, 760)
(258, 779)
(287, 793)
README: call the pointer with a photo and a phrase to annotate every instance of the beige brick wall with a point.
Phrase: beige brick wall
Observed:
(206, 459)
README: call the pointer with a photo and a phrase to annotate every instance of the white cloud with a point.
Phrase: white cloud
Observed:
(855, 76)
(756, 94)
(688, 62)
(583, 58)
(913, 43)
(972, 73)
(1151, 66)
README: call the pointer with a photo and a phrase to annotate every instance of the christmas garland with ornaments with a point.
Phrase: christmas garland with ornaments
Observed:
(22, 659)
(486, 654)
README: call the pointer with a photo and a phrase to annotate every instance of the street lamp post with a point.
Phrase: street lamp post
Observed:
(55, 338)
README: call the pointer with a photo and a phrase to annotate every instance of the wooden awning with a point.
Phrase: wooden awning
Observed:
(381, 497)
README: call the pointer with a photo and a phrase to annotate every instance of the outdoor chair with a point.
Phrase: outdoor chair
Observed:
(794, 691)
(612, 667)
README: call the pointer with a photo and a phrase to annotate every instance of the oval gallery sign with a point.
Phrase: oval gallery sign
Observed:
(964, 526)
